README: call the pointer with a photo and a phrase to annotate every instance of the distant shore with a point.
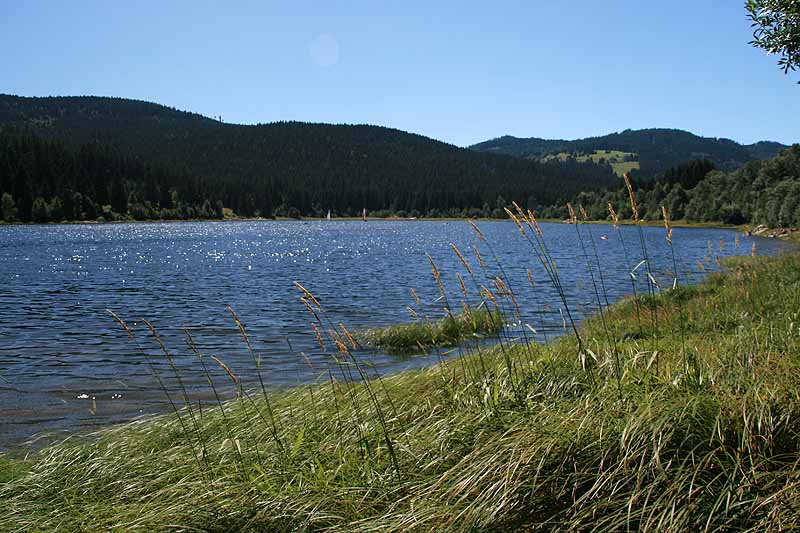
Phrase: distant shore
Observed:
(789, 234)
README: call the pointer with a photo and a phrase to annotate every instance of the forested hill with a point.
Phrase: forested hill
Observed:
(655, 149)
(278, 168)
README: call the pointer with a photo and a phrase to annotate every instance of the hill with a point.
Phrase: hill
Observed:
(284, 167)
(655, 149)
(765, 191)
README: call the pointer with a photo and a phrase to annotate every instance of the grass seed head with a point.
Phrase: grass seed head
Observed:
(535, 223)
(350, 339)
(436, 275)
(310, 308)
(614, 215)
(480, 234)
(667, 225)
(461, 284)
(513, 217)
(478, 256)
(460, 257)
(414, 295)
(308, 295)
(572, 218)
(227, 370)
(318, 336)
(632, 196)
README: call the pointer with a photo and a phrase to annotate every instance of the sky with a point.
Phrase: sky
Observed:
(459, 71)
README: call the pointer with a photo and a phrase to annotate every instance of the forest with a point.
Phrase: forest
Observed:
(760, 192)
(45, 180)
(129, 159)
(91, 158)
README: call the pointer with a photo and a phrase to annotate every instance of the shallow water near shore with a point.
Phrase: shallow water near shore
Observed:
(66, 366)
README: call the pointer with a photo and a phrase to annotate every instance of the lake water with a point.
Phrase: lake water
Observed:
(66, 366)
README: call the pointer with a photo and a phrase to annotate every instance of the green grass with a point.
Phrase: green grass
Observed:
(422, 335)
(615, 158)
(698, 428)
(624, 166)
(11, 469)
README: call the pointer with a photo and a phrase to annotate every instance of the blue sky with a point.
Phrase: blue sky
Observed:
(461, 72)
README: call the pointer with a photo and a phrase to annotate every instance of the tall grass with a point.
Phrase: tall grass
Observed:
(690, 423)
(422, 335)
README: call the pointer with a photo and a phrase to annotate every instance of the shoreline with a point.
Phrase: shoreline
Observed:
(782, 233)
(433, 417)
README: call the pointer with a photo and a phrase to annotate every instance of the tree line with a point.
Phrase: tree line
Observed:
(44, 180)
(280, 169)
(761, 192)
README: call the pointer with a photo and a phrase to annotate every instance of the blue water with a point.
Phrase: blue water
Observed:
(66, 366)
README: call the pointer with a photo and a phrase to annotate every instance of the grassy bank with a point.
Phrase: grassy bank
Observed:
(423, 334)
(677, 412)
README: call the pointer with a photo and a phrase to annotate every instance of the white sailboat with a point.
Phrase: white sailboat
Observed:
(328, 218)
(364, 215)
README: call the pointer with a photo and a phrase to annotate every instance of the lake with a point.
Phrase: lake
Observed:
(66, 365)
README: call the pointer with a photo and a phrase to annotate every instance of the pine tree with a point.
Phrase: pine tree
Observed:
(39, 211)
(9, 209)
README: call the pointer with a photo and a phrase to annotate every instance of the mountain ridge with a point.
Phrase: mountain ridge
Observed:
(312, 167)
(656, 148)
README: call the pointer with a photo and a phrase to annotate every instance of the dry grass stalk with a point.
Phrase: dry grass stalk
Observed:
(159, 340)
(634, 205)
(348, 336)
(513, 217)
(467, 311)
(502, 288)
(488, 294)
(667, 224)
(318, 336)
(460, 257)
(572, 218)
(414, 295)
(521, 214)
(308, 294)
(310, 308)
(532, 218)
(338, 341)
(227, 369)
(480, 234)
(461, 284)
(436, 276)
(614, 215)
(530, 279)
(478, 256)
(308, 362)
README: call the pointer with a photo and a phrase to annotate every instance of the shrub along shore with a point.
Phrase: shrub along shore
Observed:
(673, 412)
